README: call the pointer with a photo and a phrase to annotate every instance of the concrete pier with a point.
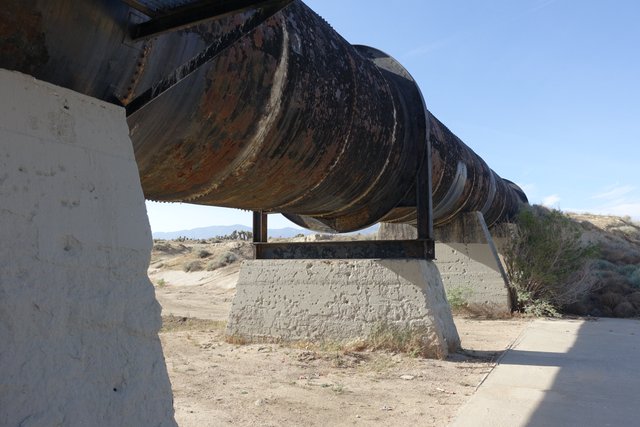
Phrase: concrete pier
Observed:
(469, 261)
(78, 316)
(341, 301)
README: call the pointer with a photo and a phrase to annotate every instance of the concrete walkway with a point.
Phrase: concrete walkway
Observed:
(563, 373)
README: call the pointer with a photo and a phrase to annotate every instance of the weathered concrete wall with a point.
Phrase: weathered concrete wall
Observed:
(472, 277)
(78, 317)
(469, 262)
(341, 300)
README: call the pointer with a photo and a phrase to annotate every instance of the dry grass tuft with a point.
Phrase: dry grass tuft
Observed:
(411, 340)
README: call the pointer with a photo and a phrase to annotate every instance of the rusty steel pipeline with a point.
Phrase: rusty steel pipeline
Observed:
(267, 110)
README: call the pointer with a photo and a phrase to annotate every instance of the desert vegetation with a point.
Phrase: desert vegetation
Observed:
(574, 264)
(191, 255)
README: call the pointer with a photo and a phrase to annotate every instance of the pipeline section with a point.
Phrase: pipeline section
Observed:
(288, 118)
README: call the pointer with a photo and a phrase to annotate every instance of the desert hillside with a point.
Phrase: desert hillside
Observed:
(616, 269)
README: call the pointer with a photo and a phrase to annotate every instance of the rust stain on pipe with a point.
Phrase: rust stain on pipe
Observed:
(288, 118)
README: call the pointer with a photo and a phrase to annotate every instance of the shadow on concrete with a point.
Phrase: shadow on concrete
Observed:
(535, 358)
(598, 377)
(563, 373)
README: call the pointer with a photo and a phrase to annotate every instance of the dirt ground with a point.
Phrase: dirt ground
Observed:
(216, 383)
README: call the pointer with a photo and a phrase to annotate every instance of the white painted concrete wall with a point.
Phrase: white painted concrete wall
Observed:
(78, 316)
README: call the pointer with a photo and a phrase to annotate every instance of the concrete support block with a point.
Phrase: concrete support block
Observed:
(473, 277)
(341, 301)
(78, 316)
(472, 269)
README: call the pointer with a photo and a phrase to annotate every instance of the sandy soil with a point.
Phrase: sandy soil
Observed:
(216, 383)
(201, 294)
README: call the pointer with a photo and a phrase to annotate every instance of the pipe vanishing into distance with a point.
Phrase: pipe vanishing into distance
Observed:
(266, 109)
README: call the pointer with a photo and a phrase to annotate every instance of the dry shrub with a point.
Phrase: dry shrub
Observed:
(222, 260)
(634, 299)
(168, 248)
(193, 266)
(634, 278)
(622, 279)
(624, 309)
(548, 265)
(620, 254)
(204, 254)
(611, 299)
(582, 282)
(616, 283)
(407, 339)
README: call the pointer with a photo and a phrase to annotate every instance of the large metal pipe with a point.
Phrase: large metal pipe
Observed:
(286, 117)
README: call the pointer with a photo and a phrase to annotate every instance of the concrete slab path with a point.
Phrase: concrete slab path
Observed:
(563, 373)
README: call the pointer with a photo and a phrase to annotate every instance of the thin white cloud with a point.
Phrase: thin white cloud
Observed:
(619, 200)
(541, 5)
(424, 49)
(614, 192)
(551, 201)
(429, 47)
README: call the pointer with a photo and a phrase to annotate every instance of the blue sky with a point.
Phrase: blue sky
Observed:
(547, 92)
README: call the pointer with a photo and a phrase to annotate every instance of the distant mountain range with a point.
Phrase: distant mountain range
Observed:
(224, 230)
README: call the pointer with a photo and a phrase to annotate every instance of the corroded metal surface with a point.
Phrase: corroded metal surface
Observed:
(462, 182)
(264, 110)
(363, 249)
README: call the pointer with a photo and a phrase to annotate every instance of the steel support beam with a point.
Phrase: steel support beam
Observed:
(134, 4)
(199, 12)
(367, 249)
(424, 200)
(260, 225)
(213, 50)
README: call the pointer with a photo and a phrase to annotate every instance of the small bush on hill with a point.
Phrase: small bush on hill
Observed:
(193, 266)
(634, 279)
(204, 254)
(547, 264)
(222, 260)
